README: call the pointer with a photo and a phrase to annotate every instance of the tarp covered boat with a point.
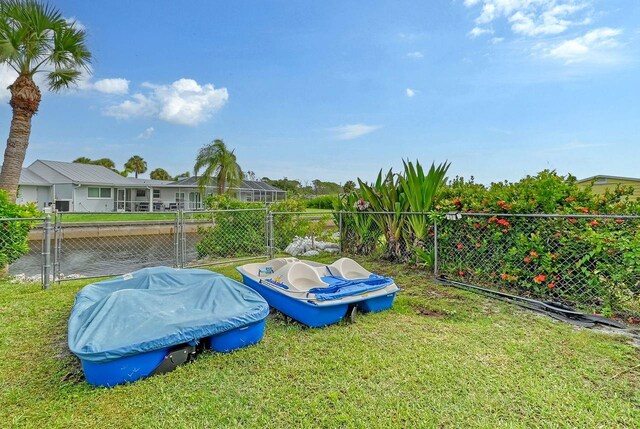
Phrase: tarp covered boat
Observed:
(148, 321)
(316, 294)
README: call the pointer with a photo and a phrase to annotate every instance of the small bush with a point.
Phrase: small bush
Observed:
(287, 224)
(323, 202)
(14, 234)
(232, 233)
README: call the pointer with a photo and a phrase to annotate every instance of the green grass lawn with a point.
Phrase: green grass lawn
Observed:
(440, 358)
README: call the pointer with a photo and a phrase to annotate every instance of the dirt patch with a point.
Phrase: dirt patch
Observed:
(428, 312)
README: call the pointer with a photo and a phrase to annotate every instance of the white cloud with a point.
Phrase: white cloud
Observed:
(478, 31)
(591, 46)
(415, 55)
(184, 102)
(7, 77)
(410, 92)
(72, 21)
(146, 133)
(532, 17)
(496, 40)
(112, 86)
(353, 131)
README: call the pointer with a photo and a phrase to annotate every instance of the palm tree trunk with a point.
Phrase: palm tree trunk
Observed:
(25, 100)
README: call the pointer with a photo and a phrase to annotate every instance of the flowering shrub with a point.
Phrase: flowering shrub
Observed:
(585, 261)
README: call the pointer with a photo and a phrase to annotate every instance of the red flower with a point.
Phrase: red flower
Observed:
(504, 276)
(460, 246)
(584, 209)
(553, 255)
(534, 254)
(569, 199)
(540, 278)
(476, 225)
(619, 220)
(527, 259)
(478, 244)
(503, 222)
(461, 273)
(593, 223)
(557, 235)
(572, 220)
(552, 285)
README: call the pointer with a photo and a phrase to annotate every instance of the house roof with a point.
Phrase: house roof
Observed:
(28, 177)
(604, 176)
(86, 173)
(91, 174)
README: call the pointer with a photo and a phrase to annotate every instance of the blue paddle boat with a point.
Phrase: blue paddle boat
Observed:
(316, 294)
(152, 320)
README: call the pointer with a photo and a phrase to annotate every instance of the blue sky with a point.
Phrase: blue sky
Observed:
(337, 90)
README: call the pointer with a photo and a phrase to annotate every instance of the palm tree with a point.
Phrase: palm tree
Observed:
(219, 162)
(83, 160)
(34, 38)
(136, 165)
(160, 174)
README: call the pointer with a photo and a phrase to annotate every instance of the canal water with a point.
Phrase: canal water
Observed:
(107, 255)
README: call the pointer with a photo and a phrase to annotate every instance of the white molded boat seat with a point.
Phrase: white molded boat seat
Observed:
(303, 277)
(348, 269)
(278, 263)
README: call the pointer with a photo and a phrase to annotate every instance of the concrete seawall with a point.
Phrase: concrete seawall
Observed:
(118, 229)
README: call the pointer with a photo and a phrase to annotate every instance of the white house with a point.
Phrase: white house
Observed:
(78, 187)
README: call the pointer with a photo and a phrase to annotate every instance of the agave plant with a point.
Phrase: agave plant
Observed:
(420, 190)
(388, 204)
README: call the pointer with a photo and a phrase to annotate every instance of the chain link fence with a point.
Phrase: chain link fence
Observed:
(219, 236)
(101, 244)
(588, 261)
(24, 254)
(304, 233)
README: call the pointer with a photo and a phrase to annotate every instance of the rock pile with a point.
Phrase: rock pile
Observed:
(304, 246)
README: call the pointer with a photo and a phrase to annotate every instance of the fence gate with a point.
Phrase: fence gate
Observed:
(103, 244)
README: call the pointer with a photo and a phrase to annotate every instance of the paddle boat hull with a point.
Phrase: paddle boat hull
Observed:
(305, 307)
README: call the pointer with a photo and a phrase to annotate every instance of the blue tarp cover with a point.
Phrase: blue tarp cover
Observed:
(156, 308)
(340, 287)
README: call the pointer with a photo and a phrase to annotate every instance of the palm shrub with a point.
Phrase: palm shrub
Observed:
(35, 38)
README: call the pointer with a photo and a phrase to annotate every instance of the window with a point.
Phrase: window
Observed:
(141, 192)
(179, 197)
(156, 193)
(99, 192)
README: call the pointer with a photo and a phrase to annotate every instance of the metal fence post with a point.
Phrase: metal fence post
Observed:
(183, 240)
(55, 262)
(46, 253)
(271, 242)
(340, 230)
(176, 240)
(435, 247)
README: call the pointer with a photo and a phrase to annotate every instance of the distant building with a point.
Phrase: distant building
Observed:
(76, 187)
(602, 183)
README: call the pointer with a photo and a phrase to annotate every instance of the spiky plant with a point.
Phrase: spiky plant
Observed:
(420, 190)
(389, 205)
